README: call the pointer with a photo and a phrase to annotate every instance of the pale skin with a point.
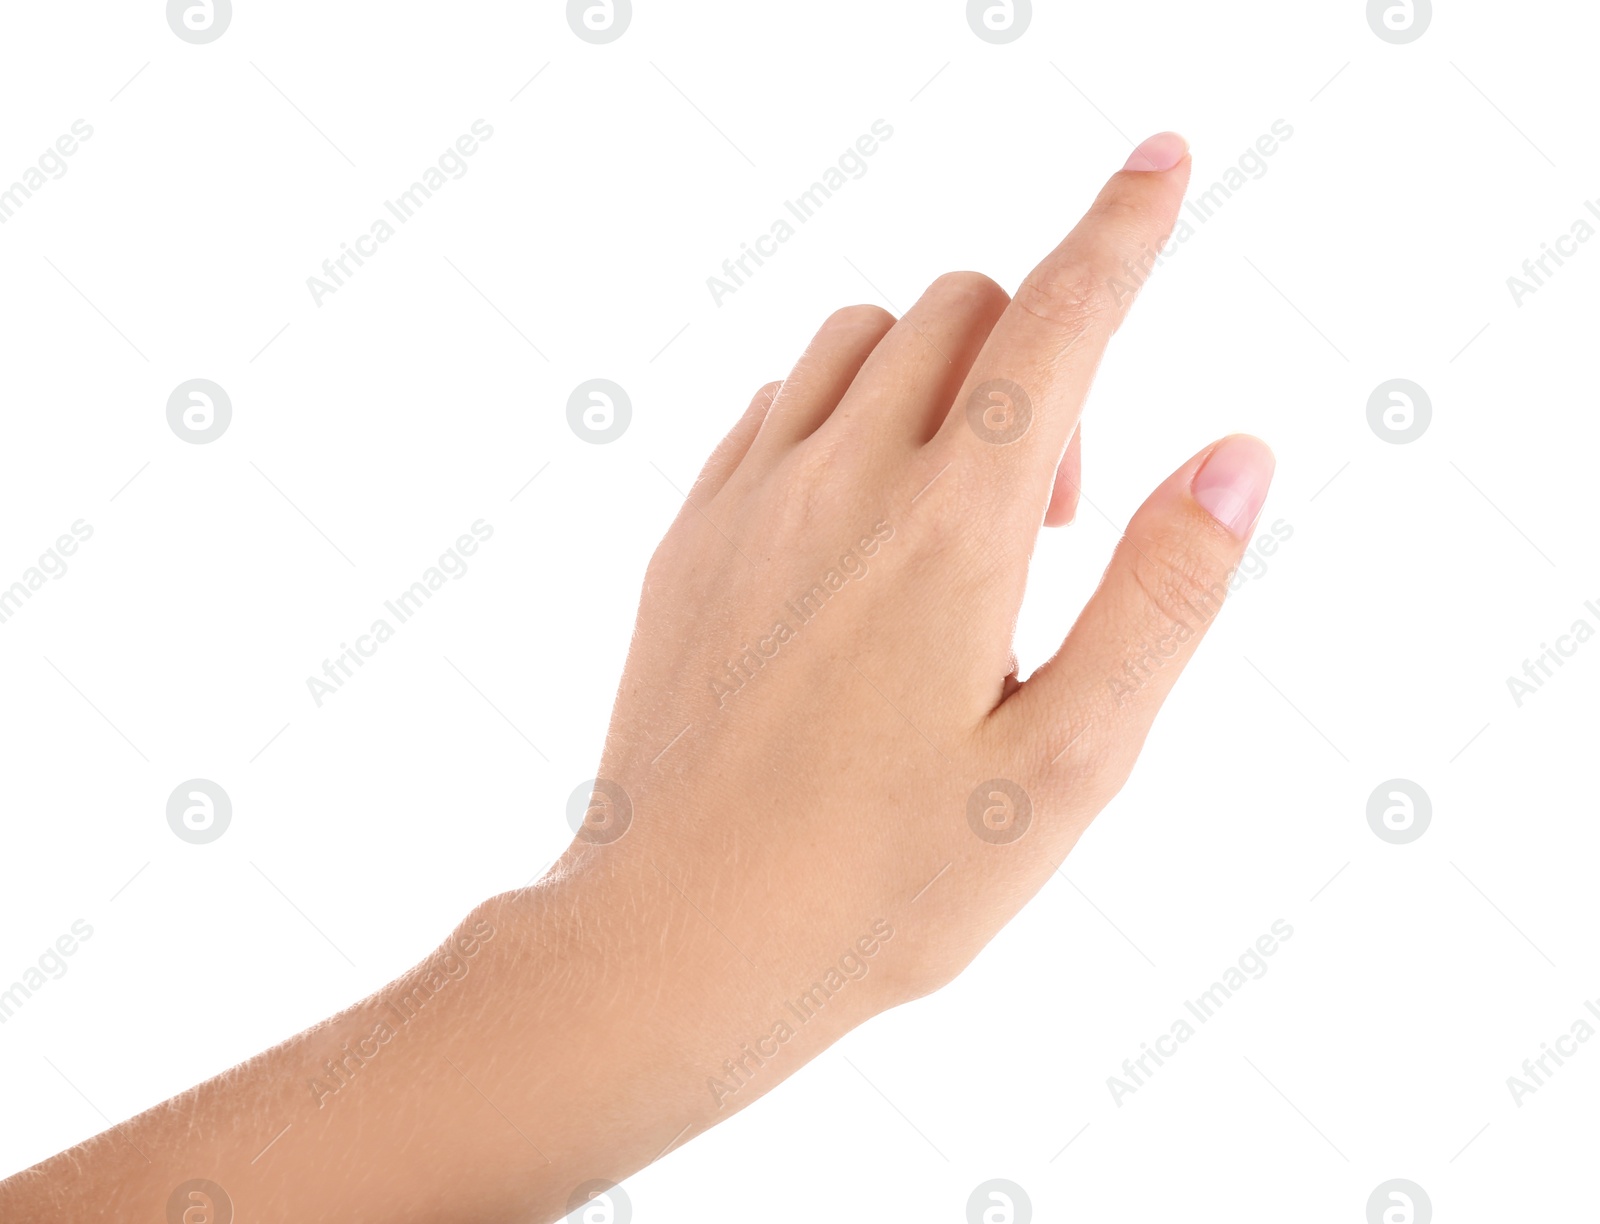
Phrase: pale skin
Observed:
(800, 811)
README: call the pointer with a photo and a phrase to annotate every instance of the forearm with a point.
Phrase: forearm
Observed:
(356, 1118)
(554, 1040)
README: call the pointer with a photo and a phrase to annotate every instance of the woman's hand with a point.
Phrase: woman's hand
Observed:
(823, 780)
(824, 788)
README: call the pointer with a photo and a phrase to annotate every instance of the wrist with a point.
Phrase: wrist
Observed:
(682, 1020)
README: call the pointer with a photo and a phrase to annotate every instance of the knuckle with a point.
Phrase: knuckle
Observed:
(863, 316)
(691, 565)
(660, 573)
(1083, 754)
(922, 973)
(1073, 298)
(1106, 768)
(1121, 219)
(1180, 582)
(953, 522)
(933, 542)
(971, 286)
(1120, 211)
(811, 486)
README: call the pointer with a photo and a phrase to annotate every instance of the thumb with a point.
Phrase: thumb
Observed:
(1165, 585)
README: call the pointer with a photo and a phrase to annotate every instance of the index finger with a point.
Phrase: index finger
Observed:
(1024, 394)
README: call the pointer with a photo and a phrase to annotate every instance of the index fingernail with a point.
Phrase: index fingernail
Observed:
(1162, 151)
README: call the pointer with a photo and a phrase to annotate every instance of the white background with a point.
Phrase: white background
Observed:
(372, 430)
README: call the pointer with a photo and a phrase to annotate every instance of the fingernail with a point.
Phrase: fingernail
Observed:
(1231, 484)
(1162, 151)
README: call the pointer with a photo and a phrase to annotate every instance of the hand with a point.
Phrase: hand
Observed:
(824, 788)
(823, 780)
